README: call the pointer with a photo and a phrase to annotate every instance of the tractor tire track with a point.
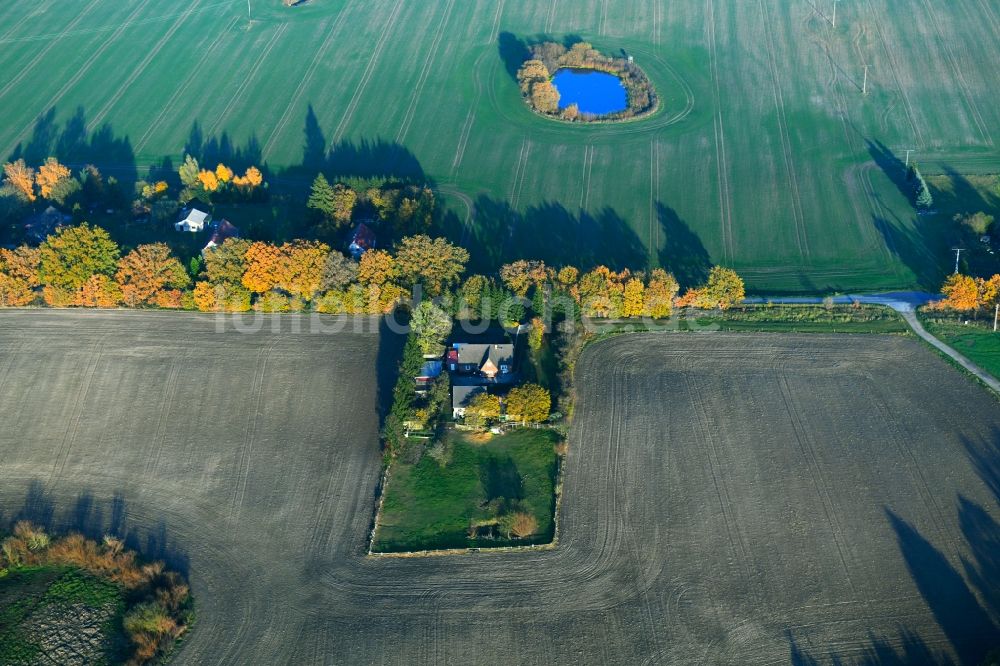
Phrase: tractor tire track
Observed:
(367, 76)
(184, 85)
(424, 72)
(137, 72)
(306, 78)
(52, 42)
(245, 83)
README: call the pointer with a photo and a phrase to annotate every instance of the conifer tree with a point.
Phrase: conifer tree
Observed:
(322, 197)
(924, 198)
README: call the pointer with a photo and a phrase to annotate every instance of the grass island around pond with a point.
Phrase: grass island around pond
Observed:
(580, 84)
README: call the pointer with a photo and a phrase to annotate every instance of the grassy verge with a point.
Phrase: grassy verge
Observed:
(781, 319)
(978, 343)
(453, 494)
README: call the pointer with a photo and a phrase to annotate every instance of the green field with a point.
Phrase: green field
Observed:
(430, 502)
(765, 155)
(977, 343)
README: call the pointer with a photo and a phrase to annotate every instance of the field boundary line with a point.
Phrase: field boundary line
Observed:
(137, 72)
(603, 23)
(786, 142)
(367, 76)
(424, 72)
(75, 78)
(41, 54)
(210, 51)
(245, 83)
(552, 16)
(310, 70)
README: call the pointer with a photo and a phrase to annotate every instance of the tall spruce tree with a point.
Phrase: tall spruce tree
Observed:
(322, 197)
(924, 198)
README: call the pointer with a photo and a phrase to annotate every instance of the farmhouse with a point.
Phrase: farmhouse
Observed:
(39, 227)
(362, 240)
(221, 231)
(492, 362)
(192, 220)
(461, 397)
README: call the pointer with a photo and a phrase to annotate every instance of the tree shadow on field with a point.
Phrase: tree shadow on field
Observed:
(682, 252)
(921, 244)
(213, 150)
(513, 52)
(499, 234)
(391, 341)
(76, 146)
(94, 518)
(908, 649)
(968, 626)
(345, 159)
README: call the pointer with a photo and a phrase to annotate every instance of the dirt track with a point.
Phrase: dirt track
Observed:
(728, 498)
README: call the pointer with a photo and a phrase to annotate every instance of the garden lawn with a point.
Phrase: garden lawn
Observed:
(977, 343)
(429, 505)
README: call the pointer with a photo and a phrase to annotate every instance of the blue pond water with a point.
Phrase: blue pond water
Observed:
(593, 92)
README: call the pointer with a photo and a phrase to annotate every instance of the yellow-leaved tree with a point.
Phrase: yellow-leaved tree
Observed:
(49, 175)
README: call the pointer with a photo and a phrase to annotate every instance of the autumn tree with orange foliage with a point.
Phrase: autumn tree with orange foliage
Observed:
(209, 181)
(99, 291)
(18, 275)
(960, 293)
(20, 178)
(262, 267)
(49, 175)
(147, 271)
(377, 267)
(300, 267)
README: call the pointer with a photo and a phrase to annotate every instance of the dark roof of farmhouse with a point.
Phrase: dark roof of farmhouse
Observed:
(480, 354)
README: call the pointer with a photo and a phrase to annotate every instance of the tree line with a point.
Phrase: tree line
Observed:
(83, 266)
(964, 293)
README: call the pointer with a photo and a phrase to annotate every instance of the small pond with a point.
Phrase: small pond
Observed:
(593, 92)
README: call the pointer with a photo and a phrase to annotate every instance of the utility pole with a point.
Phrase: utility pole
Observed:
(835, 3)
(249, 15)
(996, 317)
(864, 86)
(908, 151)
(958, 253)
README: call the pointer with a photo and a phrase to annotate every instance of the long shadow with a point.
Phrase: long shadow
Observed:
(969, 628)
(982, 533)
(96, 517)
(75, 147)
(549, 232)
(922, 246)
(908, 650)
(213, 150)
(682, 251)
(513, 52)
